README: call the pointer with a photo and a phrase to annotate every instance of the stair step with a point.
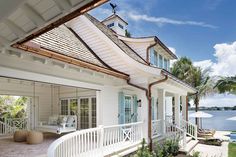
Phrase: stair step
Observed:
(190, 145)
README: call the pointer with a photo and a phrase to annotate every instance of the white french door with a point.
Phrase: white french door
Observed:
(84, 107)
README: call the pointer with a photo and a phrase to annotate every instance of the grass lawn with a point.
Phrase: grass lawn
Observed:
(232, 150)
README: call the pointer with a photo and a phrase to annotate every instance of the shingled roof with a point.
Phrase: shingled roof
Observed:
(113, 37)
(62, 40)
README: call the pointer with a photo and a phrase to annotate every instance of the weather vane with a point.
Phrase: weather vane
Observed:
(113, 8)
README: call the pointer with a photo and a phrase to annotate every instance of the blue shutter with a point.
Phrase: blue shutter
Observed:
(135, 108)
(121, 104)
(153, 111)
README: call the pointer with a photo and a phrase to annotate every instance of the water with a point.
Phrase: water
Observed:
(218, 121)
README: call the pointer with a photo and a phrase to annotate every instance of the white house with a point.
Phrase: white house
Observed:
(119, 87)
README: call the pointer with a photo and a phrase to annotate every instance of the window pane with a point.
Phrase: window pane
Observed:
(64, 107)
(73, 106)
(153, 56)
(94, 113)
(84, 113)
(160, 61)
(127, 109)
(165, 64)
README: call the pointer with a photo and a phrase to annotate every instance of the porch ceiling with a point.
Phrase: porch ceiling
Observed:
(22, 20)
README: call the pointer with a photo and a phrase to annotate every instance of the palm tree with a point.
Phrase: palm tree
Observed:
(195, 76)
(226, 84)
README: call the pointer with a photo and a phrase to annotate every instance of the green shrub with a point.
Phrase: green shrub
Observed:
(196, 154)
(143, 151)
(167, 149)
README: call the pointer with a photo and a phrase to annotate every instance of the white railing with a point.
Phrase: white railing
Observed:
(98, 142)
(169, 119)
(156, 128)
(190, 128)
(17, 123)
(173, 131)
(5, 129)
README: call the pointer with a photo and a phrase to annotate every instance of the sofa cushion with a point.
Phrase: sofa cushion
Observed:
(62, 120)
(52, 120)
(70, 121)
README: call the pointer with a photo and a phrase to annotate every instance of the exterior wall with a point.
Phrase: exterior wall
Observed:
(140, 47)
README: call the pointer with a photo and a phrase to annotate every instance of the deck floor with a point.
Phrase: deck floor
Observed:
(9, 148)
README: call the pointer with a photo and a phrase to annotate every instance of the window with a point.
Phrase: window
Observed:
(110, 25)
(153, 56)
(165, 64)
(128, 111)
(64, 107)
(168, 65)
(121, 26)
(160, 60)
(73, 106)
(94, 113)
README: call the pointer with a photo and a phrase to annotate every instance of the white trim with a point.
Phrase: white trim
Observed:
(20, 74)
(145, 39)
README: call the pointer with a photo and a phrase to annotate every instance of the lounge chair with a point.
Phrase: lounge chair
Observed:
(205, 133)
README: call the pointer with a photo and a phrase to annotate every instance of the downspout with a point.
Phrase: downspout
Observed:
(150, 107)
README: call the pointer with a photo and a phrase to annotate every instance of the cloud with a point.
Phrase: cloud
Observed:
(172, 49)
(127, 12)
(219, 100)
(225, 64)
(160, 21)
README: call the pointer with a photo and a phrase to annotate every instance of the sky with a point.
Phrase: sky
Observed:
(203, 30)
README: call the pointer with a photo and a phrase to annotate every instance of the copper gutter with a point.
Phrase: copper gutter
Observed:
(70, 60)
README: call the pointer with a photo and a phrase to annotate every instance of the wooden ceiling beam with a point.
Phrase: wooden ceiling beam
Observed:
(70, 60)
(64, 19)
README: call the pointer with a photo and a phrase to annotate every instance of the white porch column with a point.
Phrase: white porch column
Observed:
(177, 109)
(162, 107)
(184, 107)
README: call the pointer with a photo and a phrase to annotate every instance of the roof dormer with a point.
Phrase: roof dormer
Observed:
(116, 23)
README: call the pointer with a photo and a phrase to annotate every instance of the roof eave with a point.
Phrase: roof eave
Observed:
(165, 47)
(192, 89)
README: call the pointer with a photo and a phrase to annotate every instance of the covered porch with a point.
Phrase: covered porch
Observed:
(170, 114)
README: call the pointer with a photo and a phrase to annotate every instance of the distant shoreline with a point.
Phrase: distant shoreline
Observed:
(214, 108)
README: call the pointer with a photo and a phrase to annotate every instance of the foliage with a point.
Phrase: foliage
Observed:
(226, 85)
(196, 154)
(12, 107)
(127, 33)
(231, 149)
(195, 76)
(167, 149)
(143, 151)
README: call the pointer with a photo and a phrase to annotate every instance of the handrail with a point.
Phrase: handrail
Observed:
(94, 141)
(191, 129)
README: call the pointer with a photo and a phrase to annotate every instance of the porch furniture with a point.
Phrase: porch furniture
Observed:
(20, 135)
(206, 133)
(34, 137)
(59, 124)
